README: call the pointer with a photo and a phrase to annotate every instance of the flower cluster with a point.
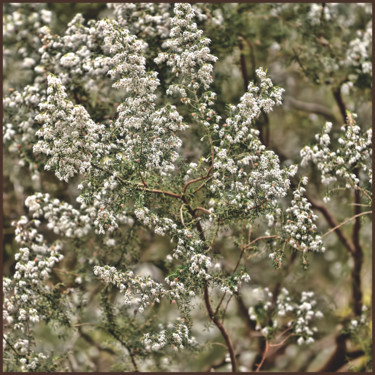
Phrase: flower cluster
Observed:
(300, 227)
(137, 290)
(144, 134)
(358, 54)
(20, 112)
(175, 336)
(353, 154)
(146, 20)
(21, 27)
(356, 324)
(259, 179)
(70, 137)
(348, 54)
(305, 314)
(23, 294)
(188, 53)
(296, 316)
(62, 217)
(122, 135)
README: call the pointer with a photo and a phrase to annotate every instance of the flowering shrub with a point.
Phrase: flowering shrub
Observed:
(172, 194)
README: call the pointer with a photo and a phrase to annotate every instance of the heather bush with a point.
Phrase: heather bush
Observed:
(176, 207)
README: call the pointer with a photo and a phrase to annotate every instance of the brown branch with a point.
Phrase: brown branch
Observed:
(123, 343)
(207, 174)
(346, 221)
(141, 186)
(332, 223)
(225, 308)
(220, 326)
(265, 353)
(260, 238)
(310, 107)
(340, 102)
(220, 302)
(219, 364)
(11, 346)
(162, 192)
(197, 180)
(140, 175)
(338, 358)
(201, 186)
(252, 56)
(204, 210)
(91, 341)
(358, 257)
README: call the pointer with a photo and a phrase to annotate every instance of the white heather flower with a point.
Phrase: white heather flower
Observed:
(69, 136)
(188, 53)
(354, 152)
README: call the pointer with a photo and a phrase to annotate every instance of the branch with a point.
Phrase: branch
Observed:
(11, 346)
(252, 56)
(221, 328)
(260, 238)
(207, 174)
(123, 343)
(310, 107)
(265, 352)
(358, 256)
(340, 102)
(204, 210)
(90, 340)
(219, 364)
(141, 186)
(346, 221)
(332, 222)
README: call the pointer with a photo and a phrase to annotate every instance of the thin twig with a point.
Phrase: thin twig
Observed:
(182, 214)
(205, 210)
(222, 329)
(202, 185)
(346, 221)
(332, 222)
(260, 238)
(11, 346)
(265, 353)
(207, 173)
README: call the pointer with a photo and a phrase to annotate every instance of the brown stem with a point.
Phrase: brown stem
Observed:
(354, 247)
(252, 56)
(347, 221)
(123, 343)
(219, 364)
(141, 186)
(310, 107)
(11, 346)
(162, 192)
(208, 172)
(260, 238)
(340, 102)
(358, 257)
(220, 326)
(202, 185)
(265, 352)
(142, 179)
(92, 342)
(338, 357)
(332, 223)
